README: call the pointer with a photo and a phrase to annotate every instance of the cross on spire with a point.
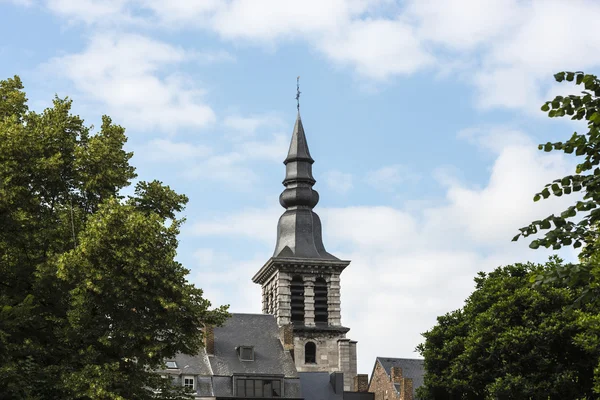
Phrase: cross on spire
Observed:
(298, 93)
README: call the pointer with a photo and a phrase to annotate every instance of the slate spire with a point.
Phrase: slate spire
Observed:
(299, 228)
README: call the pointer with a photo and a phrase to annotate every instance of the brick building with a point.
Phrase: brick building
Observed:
(396, 378)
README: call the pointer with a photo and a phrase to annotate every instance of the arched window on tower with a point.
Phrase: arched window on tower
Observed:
(310, 353)
(321, 314)
(297, 303)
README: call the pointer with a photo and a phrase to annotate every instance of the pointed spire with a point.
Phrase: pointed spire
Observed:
(299, 154)
(299, 228)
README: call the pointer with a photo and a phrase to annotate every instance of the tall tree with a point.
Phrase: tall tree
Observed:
(91, 297)
(512, 341)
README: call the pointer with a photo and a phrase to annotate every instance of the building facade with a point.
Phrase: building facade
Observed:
(396, 378)
(301, 281)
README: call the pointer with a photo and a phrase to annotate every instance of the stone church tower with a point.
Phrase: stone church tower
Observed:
(301, 282)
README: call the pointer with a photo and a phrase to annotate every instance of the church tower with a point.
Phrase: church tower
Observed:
(301, 282)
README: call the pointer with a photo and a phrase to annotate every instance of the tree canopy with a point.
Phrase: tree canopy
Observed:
(513, 341)
(92, 299)
(565, 229)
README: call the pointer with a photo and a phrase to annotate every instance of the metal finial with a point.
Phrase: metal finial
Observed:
(298, 93)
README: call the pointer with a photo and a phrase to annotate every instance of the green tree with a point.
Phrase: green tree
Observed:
(91, 298)
(578, 225)
(563, 230)
(512, 341)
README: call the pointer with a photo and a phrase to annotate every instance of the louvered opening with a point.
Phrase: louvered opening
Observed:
(297, 301)
(321, 310)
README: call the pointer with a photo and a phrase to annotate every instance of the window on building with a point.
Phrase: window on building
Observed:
(171, 364)
(189, 382)
(246, 353)
(258, 387)
(297, 303)
(321, 314)
(268, 305)
(310, 353)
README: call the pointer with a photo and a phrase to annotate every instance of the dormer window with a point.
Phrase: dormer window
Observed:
(246, 353)
(171, 365)
(189, 382)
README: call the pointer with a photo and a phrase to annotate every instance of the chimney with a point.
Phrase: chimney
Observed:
(396, 374)
(406, 389)
(361, 383)
(336, 379)
(286, 335)
(209, 339)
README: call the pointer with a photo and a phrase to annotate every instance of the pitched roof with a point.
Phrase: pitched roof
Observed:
(258, 330)
(412, 368)
(321, 385)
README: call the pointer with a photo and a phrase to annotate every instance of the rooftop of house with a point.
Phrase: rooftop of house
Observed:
(322, 385)
(257, 331)
(262, 333)
(412, 368)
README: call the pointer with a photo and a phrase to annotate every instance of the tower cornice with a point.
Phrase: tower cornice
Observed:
(298, 265)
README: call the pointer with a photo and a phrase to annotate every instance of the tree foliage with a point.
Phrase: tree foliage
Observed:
(91, 297)
(513, 341)
(564, 230)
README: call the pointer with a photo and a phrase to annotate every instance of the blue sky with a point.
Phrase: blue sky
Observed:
(422, 116)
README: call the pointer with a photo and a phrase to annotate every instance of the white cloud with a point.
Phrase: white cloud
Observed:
(507, 49)
(167, 150)
(123, 73)
(387, 178)
(258, 224)
(273, 149)
(553, 36)
(338, 181)
(463, 24)
(198, 162)
(410, 265)
(496, 138)
(378, 48)
(344, 30)
(231, 163)
(24, 3)
(218, 273)
(273, 19)
(91, 11)
(243, 127)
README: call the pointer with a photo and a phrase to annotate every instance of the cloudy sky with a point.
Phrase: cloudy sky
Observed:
(422, 115)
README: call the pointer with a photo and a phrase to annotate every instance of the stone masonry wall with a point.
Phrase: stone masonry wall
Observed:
(383, 385)
(327, 354)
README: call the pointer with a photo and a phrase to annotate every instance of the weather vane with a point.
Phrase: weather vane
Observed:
(298, 93)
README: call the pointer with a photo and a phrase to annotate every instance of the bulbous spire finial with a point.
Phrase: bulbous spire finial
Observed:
(299, 228)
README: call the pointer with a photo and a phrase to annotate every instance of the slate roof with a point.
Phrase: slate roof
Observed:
(412, 368)
(321, 385)
(299, 228)
(258, 330)
(191, 365)
(215, 371)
